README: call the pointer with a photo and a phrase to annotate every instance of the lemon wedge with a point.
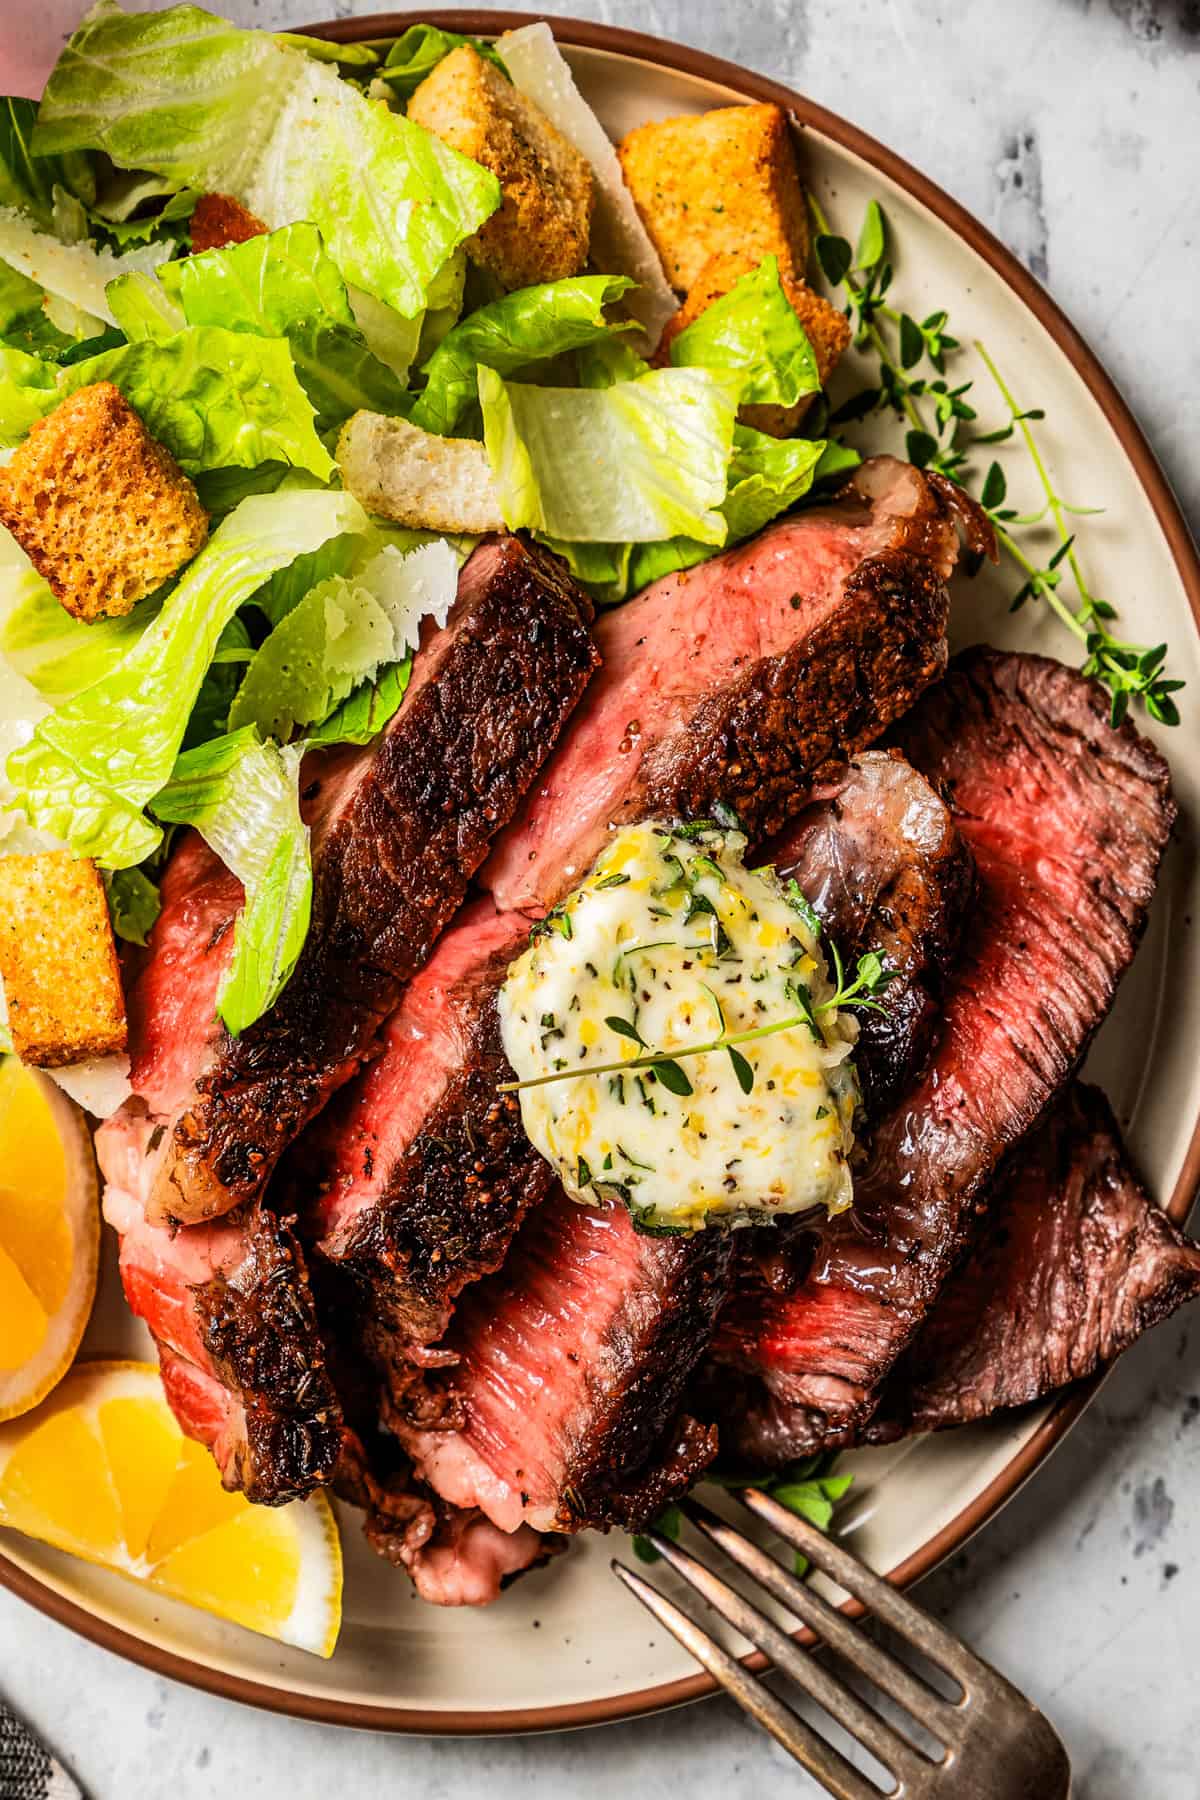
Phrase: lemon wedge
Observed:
(49, 1234)
(102, 1470)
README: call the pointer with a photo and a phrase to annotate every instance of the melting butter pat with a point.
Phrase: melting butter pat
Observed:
(668, 943)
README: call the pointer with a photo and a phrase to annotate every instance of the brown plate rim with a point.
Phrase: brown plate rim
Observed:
(642, 47)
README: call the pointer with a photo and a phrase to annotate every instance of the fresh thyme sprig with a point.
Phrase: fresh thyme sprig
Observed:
(1126, 669)
(870, 979)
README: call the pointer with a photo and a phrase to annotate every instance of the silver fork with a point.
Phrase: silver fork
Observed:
(994, 1744)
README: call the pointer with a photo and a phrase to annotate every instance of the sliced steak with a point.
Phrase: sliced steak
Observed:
(1073, 1261)
(421, 1170)
(571, 1363)
(877, 855)
(735, 680)
(1067, 820)
(732, 683)
(398, 828)
(231, 1311)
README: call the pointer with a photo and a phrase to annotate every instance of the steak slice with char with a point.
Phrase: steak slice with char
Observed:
(1073, 1261)
(422, 1169)
(398, 828)
(571, 1362)
(230, 1308)
(1067, 820)
(733, 683)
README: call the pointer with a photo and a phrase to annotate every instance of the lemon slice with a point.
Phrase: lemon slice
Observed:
(102, 1470)
(49, 1234)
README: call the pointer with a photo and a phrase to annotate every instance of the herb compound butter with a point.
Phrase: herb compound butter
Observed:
(671, 943)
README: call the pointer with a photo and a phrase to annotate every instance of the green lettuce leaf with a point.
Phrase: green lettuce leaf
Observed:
(242, 796)
(184, 94)
(133, 903)
(753, 330)
(364, 715)
(282, 284)
(342, 632)
(766, 476)
(210, 715)
(142, 308)
(633, 463)
(215, 398)
(419, 50)
(58, 654)
(27, 182)
(28, 391)
(508, 335)
(350, 56)
(89, 768)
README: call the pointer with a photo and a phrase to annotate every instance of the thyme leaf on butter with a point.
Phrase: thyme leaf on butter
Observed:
(871, 977)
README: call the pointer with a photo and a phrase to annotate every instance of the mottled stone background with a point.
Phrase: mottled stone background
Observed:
(1072, 127)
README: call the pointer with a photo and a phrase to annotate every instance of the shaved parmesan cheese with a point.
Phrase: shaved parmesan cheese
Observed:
(78, 273)
(620, 242)
(100, 1086)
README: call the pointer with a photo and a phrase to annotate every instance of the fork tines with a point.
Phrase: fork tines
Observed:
(989, 1714)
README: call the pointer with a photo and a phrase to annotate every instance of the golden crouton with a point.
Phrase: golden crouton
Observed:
(100, 508)
(542, 228)
(827, 330)
(218, 220)
(58, 960)
(718, 181)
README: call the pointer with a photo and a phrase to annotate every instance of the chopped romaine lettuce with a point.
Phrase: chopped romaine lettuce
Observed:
(61, 655)
(766, 476)
(242, 796)
(209, 717)
(342, 632)
(28, 391)
(754, 330)
(364, 715)
(216, 398)
(142, 308)
(633, 463)
(619, 239)
(350, 56)
(282, 284)
(77, 273)
(133, 903)
(236, 112)
(27, 182)
(419, 50)
(390, 336)
(89, 768)
(508, 335)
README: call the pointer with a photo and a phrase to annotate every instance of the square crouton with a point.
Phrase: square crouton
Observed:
(827, 330)
(721, 181)
(58, 960)
(218, 220)
(101, 509)
(542, 229)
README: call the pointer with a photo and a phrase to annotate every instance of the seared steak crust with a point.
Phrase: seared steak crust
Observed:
(260, 1331)
(562, 1407)
(1067, 819)
(1073, 1261)
(393, 856)
(755, 745)
(450, 1206)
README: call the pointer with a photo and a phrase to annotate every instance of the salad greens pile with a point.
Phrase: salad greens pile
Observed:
(295, 623)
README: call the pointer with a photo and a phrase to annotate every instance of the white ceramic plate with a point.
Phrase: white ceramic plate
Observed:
(567, 1645)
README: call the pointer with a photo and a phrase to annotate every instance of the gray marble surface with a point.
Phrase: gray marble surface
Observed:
(1073, 128)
